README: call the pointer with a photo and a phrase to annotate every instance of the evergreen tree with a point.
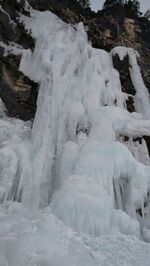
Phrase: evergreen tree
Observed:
(84, 3)
(110, 3)
(147, 14)
(133, 7)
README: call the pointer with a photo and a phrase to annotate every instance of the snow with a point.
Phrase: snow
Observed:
(12, 48)
(41, 240)
(71, 189)
(38, 240)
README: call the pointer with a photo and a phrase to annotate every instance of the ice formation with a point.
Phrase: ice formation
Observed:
(14, 157)
(74, 159)
(142, 100)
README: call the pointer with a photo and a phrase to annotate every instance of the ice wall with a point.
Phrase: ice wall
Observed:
(77, 162)
(75, 80)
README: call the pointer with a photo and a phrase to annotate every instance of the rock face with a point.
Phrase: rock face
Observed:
(106, 30)
(17, 91)
(125, 78)
(116, 28)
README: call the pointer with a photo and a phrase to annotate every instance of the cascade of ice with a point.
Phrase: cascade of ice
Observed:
(141, 102)
(94, 183)
(74, 81)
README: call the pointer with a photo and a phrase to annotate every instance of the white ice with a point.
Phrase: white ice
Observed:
(81, 92)
(74, 160)
(42, 240)
(142, 96)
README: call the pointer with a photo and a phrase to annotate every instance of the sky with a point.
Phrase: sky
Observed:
(97, 4)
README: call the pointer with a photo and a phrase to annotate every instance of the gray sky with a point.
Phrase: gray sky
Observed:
(97, 4)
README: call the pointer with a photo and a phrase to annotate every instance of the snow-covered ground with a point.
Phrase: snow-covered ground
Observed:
(40, 239)
(70, 190)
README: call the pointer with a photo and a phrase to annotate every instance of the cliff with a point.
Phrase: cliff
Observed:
(106, 29)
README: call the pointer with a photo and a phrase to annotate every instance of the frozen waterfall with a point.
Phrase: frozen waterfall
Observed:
(73, 159)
